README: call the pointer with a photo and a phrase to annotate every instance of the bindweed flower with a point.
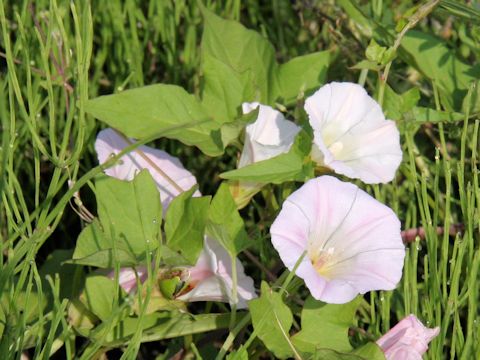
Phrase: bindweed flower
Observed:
(408, 340)
(211, 278)
(127, 278)
(351, 135)
(109, 143)
(270, 135)
(349, 241)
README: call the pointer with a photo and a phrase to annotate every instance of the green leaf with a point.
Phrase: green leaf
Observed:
(98, 295)
(302, 75)
(167, 325)
(329, 354)
(379, 54)
(422, 115)
(437, 62)
(272, 320)
(95, 248)
(70, 275)
(462, 10)
(185, 225)
(225, 223)
(229, 48)
(21, 311)
(471, 104)
(239, 66)
(130, 214)
(367, 64)
(29, 306)
(325, 326)
(396, 105)
(364, 24)
(82, 319)
(170, 257)
(370, 351)
(130, 211)
(224, 89)
(3, 323)
(240, 354)
(231, 130)
(159, 111)
(292, 166)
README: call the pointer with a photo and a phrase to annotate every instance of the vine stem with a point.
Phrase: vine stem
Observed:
(234, 292)
(421, 13)
(232, 335)
(246, 319)
(292, 273)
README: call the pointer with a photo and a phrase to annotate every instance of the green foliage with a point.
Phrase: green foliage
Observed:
(225, 223)
(56, 55)
(395, 105)
(325, 326)
(95, 248)
(185, 225)
(156, 111)
(166, 325)
(461, 10)
(272, 320)
(370, 351)
(99, 295)
(379, 54)
(123, 233)
(70, 276)
(438, 63)
(302, 75)
(292, 166)
(238, 65)
(230, 131)
(240, 354)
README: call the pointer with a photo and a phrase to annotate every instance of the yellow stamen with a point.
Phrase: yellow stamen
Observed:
(322, 261)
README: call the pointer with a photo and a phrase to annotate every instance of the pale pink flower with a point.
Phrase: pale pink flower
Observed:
(351, 135)
(127, 277)
(110, 143)
(408, 340)
(270, 135)
(211, 278)
(352, 242)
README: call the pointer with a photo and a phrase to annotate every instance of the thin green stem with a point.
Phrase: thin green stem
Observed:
(232, 335)
(421, 13)
(292, 274)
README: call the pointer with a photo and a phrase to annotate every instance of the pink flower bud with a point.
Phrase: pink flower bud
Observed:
(408, 340)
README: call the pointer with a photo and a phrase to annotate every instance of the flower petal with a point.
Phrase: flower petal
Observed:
(110, 142)
(210, 289)
(351, 135)
(352, 241)
(216, 283)
(127, 277)
(407, 340)
(270, 135)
